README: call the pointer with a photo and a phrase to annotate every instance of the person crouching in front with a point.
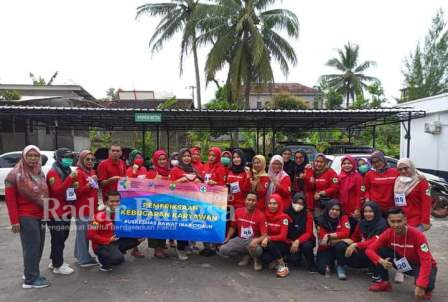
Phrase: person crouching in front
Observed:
(106, 245)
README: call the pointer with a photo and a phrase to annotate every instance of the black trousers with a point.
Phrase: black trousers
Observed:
(305, 251)
(327, 257)
(112, 254)
(59, 231)
(353, 222)
(274, 251)
(156, 243)
(415, 272)
(182, 244)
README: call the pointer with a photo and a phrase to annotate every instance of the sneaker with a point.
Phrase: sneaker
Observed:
(273, 265)
(382, 286)
(399, 277)
(340, 271)
(51, 267)
(427, 296)
(91, 263)
(282, 271)
(104, 268)
(258, 266)
(182, 255)
(245, 261)
(38, 283)
(63, 270)
(376, 278)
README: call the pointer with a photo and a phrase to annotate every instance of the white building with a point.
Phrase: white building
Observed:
(429, 135)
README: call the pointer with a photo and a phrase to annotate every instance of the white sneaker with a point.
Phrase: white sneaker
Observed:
(51, 267)
(63, 270)
(399, 277)
(182, 255)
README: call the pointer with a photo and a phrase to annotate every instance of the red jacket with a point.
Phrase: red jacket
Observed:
(100, 229)
(216, 173)
(419, 203)
(327, 182)
(107, 169)
(278, 227)
(308, 234)
(20, 207)
(362, 242)
(262, 189)
(87, 202)
(255, 220)
(57, 190)
(355, 195)
(413, 246)
(239, 186)
(152, 174)
(141, 171)
(342, 231)
(284, 190)
(380, 187)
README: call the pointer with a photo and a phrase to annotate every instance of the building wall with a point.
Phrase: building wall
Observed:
(255, 99)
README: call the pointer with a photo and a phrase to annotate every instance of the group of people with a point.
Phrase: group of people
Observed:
(291, 212)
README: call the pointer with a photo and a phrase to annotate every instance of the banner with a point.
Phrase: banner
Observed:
(165, 210)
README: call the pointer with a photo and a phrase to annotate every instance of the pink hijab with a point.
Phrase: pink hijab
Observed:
(279, 176)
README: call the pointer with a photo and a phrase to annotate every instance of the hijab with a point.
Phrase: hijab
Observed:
(367, 162)
(325, 221)
(289, 166)
(270, 216)
(82, 156)
(347, 180)
(240, 168)
(318, 173)
(374, 227)
(258, 174)
(279, 176)
(62, 170)
(195, 150)
(163, 171)
(380, 156)
(29, 181)
(298, 169)
(186, 168)
(217, 163)
(405, 184)
(133, 155)
(298, 225)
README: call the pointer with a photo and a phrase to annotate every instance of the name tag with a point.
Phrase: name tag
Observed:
(207, 177)
(70, 194)
(403, 265)
(247, 233)
(400, 199)
(234, 187)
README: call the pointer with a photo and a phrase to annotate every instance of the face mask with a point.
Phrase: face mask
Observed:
(67, 162)
(225, 161)
(363, 169)
(138, 162)
(174, 162)
(297, 207)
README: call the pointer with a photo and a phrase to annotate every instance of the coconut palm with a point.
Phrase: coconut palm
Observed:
(244, 36)
(177, 16)
(352, 80)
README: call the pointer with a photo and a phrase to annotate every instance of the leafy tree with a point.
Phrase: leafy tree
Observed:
(426, 70)
(170, 103)
(287, 101)
(40, 81)
(112, 93)
(376, 100)
(10, 95)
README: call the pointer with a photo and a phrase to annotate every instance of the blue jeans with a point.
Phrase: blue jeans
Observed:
(82, 253)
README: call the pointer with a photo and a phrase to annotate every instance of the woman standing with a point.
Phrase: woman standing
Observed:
(136, 165)
(196, 159)
(238, 181)
(86, 206)
(214, 171)
(288, 164)
(260, 180)
(280, 182)
(25, 193)
(301, 161)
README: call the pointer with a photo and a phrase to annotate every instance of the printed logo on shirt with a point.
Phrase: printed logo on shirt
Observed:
(285, 221)
(347, 225)
(363, 188)
(424, 247)
(335, 180)
(51, 180)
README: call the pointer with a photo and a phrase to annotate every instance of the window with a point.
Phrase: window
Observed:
(259, 106)
(10, 160)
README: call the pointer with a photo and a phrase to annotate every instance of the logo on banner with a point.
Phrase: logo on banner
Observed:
(203, 189)
(172, 187)
(124, 183)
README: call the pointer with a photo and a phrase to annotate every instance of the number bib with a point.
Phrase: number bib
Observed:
(400, 199)
(70, 194)
(234, 187)
(403, 265)
(207, 177)
(247, 233)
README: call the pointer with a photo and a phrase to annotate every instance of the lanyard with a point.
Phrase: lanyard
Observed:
(405, 242)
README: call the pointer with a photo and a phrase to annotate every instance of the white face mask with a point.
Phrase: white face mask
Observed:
(174, 162)
(405, 179)
(297, 207)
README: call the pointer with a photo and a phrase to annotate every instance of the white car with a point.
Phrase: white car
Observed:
(10, 159)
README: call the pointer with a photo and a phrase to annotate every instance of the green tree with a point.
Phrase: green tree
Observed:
(287, 101)
(10, 95)
(328, 96)
(40, 81)
(352, 80)
(244, 36)
(426, 70)
(112, 94)
(376, 97)
(177, 16)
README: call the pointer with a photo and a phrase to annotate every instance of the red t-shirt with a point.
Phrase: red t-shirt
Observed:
(327, 182)
(100, 229)
(87, 202)
(255, 222)
(413, 246)
(342, 231)
(262, 189)
(380, 187)
(107, 169)
(141, 171)
(419, 203)
(239, 186)
(278, 227)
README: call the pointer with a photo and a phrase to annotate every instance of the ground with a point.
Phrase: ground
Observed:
(198, 279)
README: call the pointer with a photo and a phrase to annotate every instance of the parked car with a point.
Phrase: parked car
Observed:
(348, 149)
(438, 185)
(310, 149)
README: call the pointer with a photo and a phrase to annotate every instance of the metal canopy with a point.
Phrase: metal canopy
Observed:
(122, 119)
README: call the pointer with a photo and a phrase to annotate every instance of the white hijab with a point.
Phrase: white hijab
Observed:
(405, 184)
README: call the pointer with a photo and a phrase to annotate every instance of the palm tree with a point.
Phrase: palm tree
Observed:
(177, 16)
(244, 36)
(352, 80)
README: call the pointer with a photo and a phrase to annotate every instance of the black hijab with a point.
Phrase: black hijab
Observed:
(325, 221)
(298, 169)
(288, 166)
(374, 227)
(240, 168)
(62, 171)
(298, 225)
(186, 168)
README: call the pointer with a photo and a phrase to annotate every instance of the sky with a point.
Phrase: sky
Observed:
(99, 44)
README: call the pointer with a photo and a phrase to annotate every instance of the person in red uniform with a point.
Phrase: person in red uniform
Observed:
(321, 184)
(300, 234)
(379, 182)
(111, 170)
(367, 231)
(301, 162)
(61, 183)
(280, 182)
(214, 171)
(226, 160)
(101, 231)
(86, 206)
(249, 226)
(160, 170)
(411, 192)
(350, 190)
(332, 228)
(25, 192)
(275, 244)
(260, 180)
(238, 180)
(196, 159)
(136, 165)
(407, 249)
